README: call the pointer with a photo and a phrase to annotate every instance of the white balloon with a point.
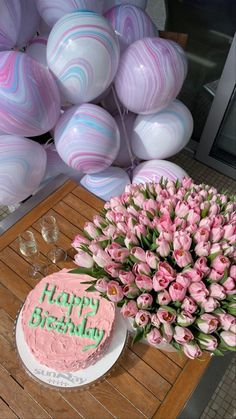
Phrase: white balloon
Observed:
(106, 184)
(37, 49)
(154, 170)
(162, 134)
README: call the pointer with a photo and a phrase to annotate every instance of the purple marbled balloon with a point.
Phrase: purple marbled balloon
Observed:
(22, 167)
(106, 184)
(87, 138)
(53, 10)
(130, 23)
(10, 19)
(154, 170)
(83, 54)
(108, 4)
(29, 97)
(150, 75)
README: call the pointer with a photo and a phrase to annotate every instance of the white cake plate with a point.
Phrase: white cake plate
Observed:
(72, 380)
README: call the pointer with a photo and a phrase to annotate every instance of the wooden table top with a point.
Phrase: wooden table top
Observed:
(146, 382)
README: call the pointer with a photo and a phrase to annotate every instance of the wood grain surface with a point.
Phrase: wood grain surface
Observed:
(147, 383)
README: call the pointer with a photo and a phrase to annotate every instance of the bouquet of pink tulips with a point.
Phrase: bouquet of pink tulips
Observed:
(165, 254)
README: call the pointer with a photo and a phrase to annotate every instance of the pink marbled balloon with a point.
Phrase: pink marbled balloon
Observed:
(29, 97)
(150, 75)
(154, 170)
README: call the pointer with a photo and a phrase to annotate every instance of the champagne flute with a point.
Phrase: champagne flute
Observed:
(28, 247)
(50, 234)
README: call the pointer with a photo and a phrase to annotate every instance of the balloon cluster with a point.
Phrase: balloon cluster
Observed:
(97, 75)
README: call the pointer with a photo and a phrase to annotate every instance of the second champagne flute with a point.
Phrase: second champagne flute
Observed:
(50, 234)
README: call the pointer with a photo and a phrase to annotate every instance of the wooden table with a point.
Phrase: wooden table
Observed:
(146, 383)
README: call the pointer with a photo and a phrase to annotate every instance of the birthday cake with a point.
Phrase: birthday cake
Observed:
(65, 327)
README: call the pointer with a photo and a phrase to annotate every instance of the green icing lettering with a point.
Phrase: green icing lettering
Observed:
(97, 336)
(42, 324)
(79, 329)
(36, 317)
(61, 325)
(49, 322)
(49, 292)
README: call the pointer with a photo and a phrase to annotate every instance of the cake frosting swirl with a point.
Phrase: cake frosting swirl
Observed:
(65, 327)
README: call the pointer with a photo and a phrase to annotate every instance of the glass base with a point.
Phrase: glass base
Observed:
(38, 271)
(57, 255)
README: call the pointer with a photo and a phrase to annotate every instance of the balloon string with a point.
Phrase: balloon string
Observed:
(48, 144)
(125, 112)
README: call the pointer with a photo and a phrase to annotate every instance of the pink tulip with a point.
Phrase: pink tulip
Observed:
(210, 304)
(183, 279)
(129, 309)
(192, 350)
(229, 338)
(182, 240)
(144, 282)
(109, 231)
(201, 265)
(198, 291)
(185, 319)
(140, 230)
(114, 291)
(215, 276)
(177, 291)
(232, 271)
(78, 241)
(113, 269)
(142, 318)
(160, 282)
(141, 268)
(227, 321)
(163, 298)
(193, 274)
(112, 247)
(130, 240)
(216, 234)
(99, 221)
(139, 199)
(151, 206)
(101, 284)
(154, 337)
(229, 284)
(131, 290)
(164, 223)
(217, 291)
(213, 210)
(180, 224)
(101, 258)
(166, 269)
(84, 259)
(189, 305)
(91, 230)
(165, 316)
(207, 342)
(163, 247)
(181, 209)
(182, 257)
(202, 249)
(193, 217)
(144, 301)
(152, 259)
(220, 263)
(167, 332)
(207, 323)
(202, 235)
(138, 253)
(126, 277)
(182, 335)
(229, 231)
(206, 222)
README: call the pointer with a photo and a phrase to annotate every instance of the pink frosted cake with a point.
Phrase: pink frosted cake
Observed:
(65, 327)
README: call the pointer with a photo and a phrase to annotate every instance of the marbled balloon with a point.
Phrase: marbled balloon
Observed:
(87, 138)
(150, 75)
(130, 23)
(22, 167)
(106, 184)
(29, 97)
(153, 170)
(53, 10)
(37, 49)
(10, 20)
(83, 53)
(162, 134)
(108, 4)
